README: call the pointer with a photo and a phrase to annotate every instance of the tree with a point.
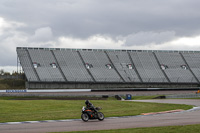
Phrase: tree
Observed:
(1, 72)
(6, 73)
(14, 73)
(17, 73)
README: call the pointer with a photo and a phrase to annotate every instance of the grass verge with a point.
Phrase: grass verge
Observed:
(167, 129)
(145, 97)
(33, 110)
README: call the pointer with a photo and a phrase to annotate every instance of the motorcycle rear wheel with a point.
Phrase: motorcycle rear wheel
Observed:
(100, 116)
(85, 117)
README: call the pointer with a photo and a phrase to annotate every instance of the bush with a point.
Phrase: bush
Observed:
(12, 84)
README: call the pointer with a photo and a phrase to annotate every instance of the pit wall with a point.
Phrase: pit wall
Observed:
(30, 85)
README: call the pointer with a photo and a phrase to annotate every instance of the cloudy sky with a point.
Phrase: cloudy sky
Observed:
(105, 24)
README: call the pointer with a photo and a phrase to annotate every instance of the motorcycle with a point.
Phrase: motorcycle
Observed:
(92, 114)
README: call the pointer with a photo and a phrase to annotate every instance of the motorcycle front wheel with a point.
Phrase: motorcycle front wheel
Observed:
(85, 117)
(100, 116)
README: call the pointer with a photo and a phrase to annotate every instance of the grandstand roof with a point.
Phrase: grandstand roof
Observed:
(123, 50)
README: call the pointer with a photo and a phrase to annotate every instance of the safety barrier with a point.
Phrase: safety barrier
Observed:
(15, 91)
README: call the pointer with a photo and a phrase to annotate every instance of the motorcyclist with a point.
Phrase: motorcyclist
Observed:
(89, 105)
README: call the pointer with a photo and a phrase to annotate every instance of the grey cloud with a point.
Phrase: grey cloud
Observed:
(42, 35)
(114, 17)
(144, 38)
(139, 22)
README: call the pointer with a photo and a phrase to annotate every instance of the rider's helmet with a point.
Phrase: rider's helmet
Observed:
(87, 102)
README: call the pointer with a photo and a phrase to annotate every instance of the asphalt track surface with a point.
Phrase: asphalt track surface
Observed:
(168, 119)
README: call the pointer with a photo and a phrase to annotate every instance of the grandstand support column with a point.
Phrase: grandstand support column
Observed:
(85, 66)
(161, 68)
(189, 67)
(18, 62)
(59, 66)
(114, 66)
(134, 67)
(32, 66)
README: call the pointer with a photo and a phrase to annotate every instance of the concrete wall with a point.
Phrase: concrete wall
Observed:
(52, 85)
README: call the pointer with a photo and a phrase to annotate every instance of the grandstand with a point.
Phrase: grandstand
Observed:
(100, 68)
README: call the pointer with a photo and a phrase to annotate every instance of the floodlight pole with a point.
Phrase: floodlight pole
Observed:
(17, 67)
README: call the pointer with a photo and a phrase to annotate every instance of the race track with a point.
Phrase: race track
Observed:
(169, 119)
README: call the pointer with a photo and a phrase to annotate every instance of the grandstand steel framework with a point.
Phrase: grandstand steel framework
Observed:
(107, 68)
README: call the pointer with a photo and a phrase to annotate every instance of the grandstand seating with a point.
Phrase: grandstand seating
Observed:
(193, 60)
(72, 66)
(147, 67)
(120, 61)
(46, 72)
(174, 70)
(27, 65)
(109, 66)
(99, 70)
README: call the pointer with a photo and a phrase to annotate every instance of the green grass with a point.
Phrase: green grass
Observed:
(31, 110)
(167, 129)
(144, 97)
